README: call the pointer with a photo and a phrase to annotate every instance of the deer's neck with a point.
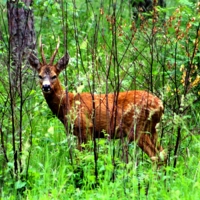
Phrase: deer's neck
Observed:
(59, 101)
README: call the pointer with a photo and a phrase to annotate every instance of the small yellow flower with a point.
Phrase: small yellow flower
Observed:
(168, 88)
(183, 78)
(195, 82)
(182, 68)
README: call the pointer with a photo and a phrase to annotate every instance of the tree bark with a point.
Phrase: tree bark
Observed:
(21, 41)
(21, 32)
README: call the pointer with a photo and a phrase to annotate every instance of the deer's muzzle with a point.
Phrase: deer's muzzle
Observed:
(46, 87)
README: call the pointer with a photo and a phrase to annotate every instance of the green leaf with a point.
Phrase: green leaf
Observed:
(19, 184)
(51, 130)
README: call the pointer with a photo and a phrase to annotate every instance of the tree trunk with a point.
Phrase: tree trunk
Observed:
(21, 33)
(21, 40)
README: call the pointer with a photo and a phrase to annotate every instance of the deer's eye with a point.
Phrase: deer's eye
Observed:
(53, 77)
(40, 77)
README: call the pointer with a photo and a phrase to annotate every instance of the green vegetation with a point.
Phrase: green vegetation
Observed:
(109, 52)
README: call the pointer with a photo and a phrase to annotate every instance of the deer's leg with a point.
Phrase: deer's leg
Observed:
(161, 154)
(147, 145)
(144, 141)
(83, 136)
(146, 137)
(144, 133)
(154, 138)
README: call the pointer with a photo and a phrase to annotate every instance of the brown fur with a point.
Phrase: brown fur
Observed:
(133, 114)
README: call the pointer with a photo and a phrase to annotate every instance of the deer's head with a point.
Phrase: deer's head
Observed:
(48, 73)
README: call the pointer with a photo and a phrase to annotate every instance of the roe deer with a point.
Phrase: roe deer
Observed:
(132, 114)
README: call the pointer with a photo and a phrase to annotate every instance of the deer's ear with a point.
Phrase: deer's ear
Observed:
(62, 63)
(34, 62)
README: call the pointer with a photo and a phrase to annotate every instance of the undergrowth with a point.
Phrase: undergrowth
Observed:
(109, 52)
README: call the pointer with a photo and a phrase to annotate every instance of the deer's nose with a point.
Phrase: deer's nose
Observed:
(46, 86)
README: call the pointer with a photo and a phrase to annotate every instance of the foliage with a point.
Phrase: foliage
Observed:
(109, 52)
